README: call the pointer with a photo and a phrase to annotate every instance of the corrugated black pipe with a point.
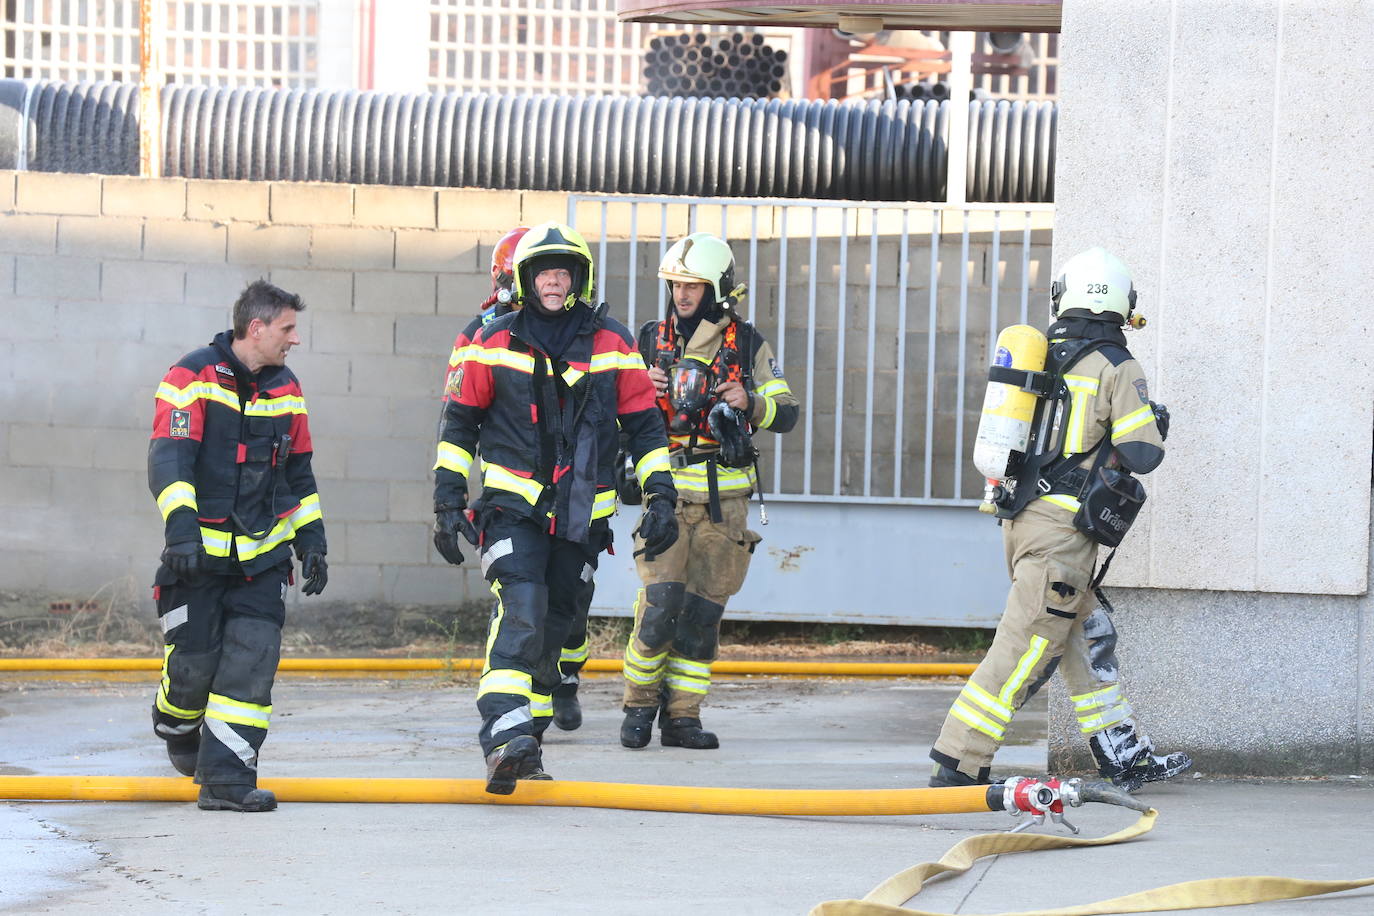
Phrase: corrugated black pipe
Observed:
(707, 147)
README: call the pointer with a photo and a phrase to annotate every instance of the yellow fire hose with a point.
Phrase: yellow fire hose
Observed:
(887, 898)
(566, 794)
(812, 669)
(884, 900)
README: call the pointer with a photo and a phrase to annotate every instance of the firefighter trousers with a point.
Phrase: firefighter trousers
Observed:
(1051, 566)
(676, 632)
(222, 641)
(539, 581)
(576, 648)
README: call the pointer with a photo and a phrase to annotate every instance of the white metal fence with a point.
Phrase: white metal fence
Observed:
(548, 46)
(245, 43)
(884, 317)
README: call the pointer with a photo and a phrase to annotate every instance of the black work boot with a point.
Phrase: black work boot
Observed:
(638, 726)
(518, 758)
(1129, 763)
(244, 798)
(567, 711)
(687, 732)
(184, 752)
(943, 777)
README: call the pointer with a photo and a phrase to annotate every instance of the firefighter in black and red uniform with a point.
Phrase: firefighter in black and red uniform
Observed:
(229, 465)
(567, 711)
(718, 383)
(540, 391)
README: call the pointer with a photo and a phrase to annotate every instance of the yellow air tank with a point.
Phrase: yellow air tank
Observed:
(1005, 426)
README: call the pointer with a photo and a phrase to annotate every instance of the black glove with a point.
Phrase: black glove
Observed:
(186, 560)
(730, 428)
(1161, 419)
(315, 571)
(449, 523)
(657, 528)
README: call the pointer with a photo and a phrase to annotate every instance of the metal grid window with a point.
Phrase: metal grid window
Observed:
(252, 43)
(575, 46)
(884, 317)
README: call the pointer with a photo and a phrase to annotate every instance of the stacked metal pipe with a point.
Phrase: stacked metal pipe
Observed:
(876, 150)
(690, 65)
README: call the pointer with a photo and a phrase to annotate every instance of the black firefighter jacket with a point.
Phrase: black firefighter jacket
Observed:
(548, 429)
(229, 461)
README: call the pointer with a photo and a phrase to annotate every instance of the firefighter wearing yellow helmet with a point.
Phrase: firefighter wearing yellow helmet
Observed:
(717, 383)
(1070, 491)
(546, 392)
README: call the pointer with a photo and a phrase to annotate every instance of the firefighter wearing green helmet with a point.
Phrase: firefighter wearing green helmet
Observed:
(1095, 427)
(546, 392)
(717, 382)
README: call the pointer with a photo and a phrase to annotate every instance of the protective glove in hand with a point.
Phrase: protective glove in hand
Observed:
(657, 528)
(315, 571)
(730, 428)
(186, 560)
(449, 525)
(1161, 419)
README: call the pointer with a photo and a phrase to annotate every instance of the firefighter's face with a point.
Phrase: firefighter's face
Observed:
(552, 287)
(687, 297)
(271, 341)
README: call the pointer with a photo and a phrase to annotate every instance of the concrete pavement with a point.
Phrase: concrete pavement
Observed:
(113, 858)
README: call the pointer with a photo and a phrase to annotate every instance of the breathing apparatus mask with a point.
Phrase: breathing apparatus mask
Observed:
(691, 391)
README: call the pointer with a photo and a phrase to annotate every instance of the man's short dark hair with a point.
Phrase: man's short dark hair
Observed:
(263, 301)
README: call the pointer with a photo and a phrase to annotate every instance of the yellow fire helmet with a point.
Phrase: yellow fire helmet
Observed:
(1094, 281)
(700, 258)
(554, 245)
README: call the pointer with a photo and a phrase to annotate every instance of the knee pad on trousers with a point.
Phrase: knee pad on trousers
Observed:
(698, 627)
(1042, 680)
(662, 606)
(522, 609)
(1100, 633)
(248, 661)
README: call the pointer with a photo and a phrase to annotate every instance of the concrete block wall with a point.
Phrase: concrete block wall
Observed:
(106, 281)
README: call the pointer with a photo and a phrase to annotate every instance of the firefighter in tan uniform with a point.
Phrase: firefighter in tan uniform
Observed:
(717, 382)
(1108, 429)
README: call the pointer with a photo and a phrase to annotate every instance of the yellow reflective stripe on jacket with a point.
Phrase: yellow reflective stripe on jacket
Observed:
(977, 721)
(496, 477)
(275, 407)
(770, 410)
(607, 362)
(452, 458)
(1081, 387)
(1063, 500)
(1132, 421)
(217, 543)
(773, 388)
(655, 460)
(237, 712)
(458, 355)
(501, 356)
(603, 504)
(308, 511)
(506, 680)
(182, 398)
(176, 495)
(1024, 666)
(580, 654)
(693, 478)
(571, 376)
(249, 548)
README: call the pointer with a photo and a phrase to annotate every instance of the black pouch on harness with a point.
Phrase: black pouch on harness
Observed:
(1108, 505)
